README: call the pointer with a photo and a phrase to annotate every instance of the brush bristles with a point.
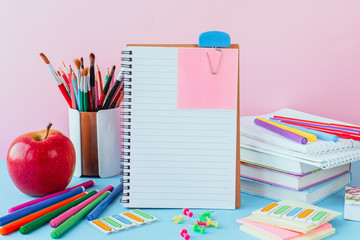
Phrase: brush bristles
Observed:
(77, 63)
(86, 71)
(46, 60)
(82, 62)
(92, 59)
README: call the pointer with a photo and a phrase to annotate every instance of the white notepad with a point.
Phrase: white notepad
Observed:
(177, 157)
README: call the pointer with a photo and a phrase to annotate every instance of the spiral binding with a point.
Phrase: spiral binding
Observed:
(125, 124)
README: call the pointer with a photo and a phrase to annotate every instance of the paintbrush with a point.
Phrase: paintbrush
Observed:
(57, 79)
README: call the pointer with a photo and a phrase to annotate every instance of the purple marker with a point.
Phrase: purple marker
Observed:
(290, 135)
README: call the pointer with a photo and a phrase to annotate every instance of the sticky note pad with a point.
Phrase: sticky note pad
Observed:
(198, 88)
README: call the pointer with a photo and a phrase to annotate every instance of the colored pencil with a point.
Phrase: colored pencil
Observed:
(57, 80)
(8, 228)
(77, 217)
(319, 123)
(86, 184)
(73, 79)
(117, 97)
(51, 215)
(339, 133)
(63, 217)
(100, 208)
(30, 209)
(118, 82)
(99, 79)
(106, 88)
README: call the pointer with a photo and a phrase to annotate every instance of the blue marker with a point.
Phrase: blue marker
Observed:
(320, 135)
(99, 208)
(30, 209)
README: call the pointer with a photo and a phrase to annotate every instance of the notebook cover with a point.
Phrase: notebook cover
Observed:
(232, 46)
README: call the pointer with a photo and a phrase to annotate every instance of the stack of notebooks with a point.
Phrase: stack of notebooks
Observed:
(289, 219)
(275, 167)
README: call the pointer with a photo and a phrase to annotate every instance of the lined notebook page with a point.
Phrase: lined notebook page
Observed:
(178, 157)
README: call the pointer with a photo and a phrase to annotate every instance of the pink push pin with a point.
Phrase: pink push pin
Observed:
(184, 234)
(186, 211)
(201, 223)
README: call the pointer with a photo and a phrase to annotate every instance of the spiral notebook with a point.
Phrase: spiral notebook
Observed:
(181, 127)
(320, 153)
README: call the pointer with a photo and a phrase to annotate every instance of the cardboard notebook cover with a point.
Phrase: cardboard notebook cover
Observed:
(232, 46)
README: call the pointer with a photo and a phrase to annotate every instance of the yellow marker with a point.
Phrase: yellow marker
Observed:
(267, 208)
(310, 137)
(133, 217)
(305, 213)
(103, 226)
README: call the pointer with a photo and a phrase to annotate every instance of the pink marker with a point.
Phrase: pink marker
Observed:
(32, 202)
(64, 216)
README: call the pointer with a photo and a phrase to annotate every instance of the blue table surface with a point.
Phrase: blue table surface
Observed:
(164, 228)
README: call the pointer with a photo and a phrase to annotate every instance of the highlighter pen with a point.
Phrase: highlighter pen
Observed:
(47, 217)
(86, 184)
(99, 208)
(27, 210)
(310, 137)
(77, 217)
(289, 135)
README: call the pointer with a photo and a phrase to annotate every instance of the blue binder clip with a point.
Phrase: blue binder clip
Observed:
(214, 39)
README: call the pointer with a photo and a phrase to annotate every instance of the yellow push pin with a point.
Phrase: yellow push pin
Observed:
(178, 219)
(209, 222)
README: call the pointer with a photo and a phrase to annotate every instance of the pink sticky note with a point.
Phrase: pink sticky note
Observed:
(198, 88)
(280, 233)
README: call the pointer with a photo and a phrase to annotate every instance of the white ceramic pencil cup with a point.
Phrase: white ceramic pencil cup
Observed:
(97, 140)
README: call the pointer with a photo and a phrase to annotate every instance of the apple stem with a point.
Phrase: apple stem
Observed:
(47, 130)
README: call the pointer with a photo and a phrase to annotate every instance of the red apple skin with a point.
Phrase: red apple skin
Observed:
(39, 166)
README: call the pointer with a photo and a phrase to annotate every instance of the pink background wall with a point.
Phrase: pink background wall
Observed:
(300, 54)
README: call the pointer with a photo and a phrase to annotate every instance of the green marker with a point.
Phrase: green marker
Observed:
(47, 217)
(77, 217)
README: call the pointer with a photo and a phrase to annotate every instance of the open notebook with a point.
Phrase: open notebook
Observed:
(181, 127)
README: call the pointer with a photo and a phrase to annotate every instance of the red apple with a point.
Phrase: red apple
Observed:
(42, 162)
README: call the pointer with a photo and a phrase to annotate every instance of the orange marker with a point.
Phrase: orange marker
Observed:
(22, 221)
(133, 217)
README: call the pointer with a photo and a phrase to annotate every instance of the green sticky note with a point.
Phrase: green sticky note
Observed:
(318, 216)
(282, 209)
(145, 215)
(112, 222)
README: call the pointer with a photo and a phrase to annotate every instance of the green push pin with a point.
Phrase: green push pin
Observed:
(205, 214)
(196, 228)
